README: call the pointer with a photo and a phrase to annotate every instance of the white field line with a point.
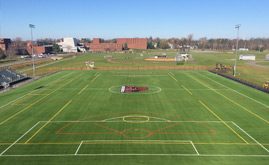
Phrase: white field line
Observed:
(139, 75)
(102, 121)
(19, 139)
(29, 106)
(194, 148)
(56, 114)
(162, 119)
(43, 65)
(149, 117)
(232, 101)
(96, 74)
(16, 99)
(83, 89)
(106, 120)
(138, 141)
(173, 141)
(267, 106)
(180, 155)
(231, 129)
(251, 137)
(173, 77)
(193, 89)
(186, 89)
(78, 148)
(95, 77)
(29, 93)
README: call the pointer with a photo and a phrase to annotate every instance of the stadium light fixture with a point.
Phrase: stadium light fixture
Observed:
(31, 26)
(237, 42)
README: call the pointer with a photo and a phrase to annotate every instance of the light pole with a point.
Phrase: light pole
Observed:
(236, 53)
(31, 26)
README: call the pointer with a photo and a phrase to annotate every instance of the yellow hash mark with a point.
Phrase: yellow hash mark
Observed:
(95, 77)
(83, 89)
(223, 122)
(48, 121)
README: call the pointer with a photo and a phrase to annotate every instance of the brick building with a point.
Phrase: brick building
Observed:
(132, 43)
(38, 50)
(5, 43)
(98, 46)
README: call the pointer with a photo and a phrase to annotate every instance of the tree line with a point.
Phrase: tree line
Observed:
(218, 44)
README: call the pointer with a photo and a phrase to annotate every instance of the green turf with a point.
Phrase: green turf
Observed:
(187, 117)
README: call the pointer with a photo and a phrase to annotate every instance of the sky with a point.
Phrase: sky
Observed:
(134, 18)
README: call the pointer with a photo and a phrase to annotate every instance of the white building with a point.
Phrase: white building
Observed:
(247, 57)
(69, 45)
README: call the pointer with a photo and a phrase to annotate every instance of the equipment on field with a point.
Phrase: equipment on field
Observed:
(222, 68)
(266, 85)
(89, 64)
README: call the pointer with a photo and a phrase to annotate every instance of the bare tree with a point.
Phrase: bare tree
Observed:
(190, 38)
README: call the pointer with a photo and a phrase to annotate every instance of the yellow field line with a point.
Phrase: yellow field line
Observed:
(16, 99)
(83, 89)
(37, 94)
(173, 77)
(95, 77)
(88, 84)
(244, 108)
(48, 121)
(223, 122)
(186, 89)
(172, 73)
(29, 106)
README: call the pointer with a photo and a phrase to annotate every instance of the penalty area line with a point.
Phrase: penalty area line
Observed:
(250, 137)
(78, 147)
(69, 102)
(194, 148)
(19, 139)
(214, 114)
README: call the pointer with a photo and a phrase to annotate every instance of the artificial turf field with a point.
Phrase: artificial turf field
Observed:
(187, 117)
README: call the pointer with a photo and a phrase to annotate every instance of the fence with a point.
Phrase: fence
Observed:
(250, 84)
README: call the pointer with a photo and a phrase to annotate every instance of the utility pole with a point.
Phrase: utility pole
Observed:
(31, 26)
(236, 53)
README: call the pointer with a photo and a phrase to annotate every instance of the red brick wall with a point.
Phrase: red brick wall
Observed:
(134, 43)
(101, 47)
(96, 41)
(37, 49)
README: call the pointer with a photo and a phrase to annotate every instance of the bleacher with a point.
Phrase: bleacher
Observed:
(9, 77)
